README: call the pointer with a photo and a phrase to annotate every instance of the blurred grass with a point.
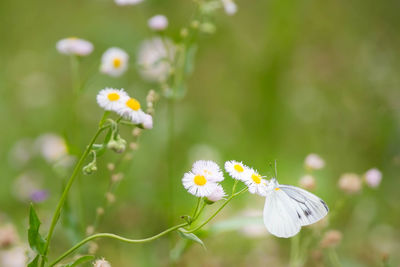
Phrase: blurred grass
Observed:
(278, 80)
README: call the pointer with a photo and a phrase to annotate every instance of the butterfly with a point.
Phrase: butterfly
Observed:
(288, 208)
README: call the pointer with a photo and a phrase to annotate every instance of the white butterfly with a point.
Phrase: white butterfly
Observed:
(288, 208)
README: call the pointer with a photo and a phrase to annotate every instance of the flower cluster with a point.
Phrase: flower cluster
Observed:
(203, 180)
(119, 101)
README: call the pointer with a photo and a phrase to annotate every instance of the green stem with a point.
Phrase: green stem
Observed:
(294, 250)
(117, 237)
(200, 211)
(218, 210)
(334, 258)
(170, 159)
(197, 207)
(65, 192)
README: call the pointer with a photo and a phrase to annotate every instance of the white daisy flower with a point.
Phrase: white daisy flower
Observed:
(114, 62)
(111, 99)
(130, 109)
(127, 2)
(158, 23)
(217, 194)
(74, 46)
(255, 182)
(198, 185)
(208, 168)
(154, 59)
(236, 170)
(230, 7)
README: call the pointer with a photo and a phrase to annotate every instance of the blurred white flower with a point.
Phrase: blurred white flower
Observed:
(101, 263)
(373, 177)
(131, 110)
(74, 46)
(314, 162)
(8, 236)
(236, 170)
(51, 146)
(230, 7)
(307, 182)
(147, 121)
(208, 168)
(158, 22)
(217, 194)
(350, 183)
(255, 182)
(21, 152)
(15, 257)
(114, 62)
(128, 2)
(111, 99)
(154, 59)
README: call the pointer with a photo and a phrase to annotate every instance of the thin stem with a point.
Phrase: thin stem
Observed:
(200, 211)
(197, 207)
(218, 210)
(117, 237)
(294, 250)
(334, 258)
(170, 158)
(65, 192)
(234, 186)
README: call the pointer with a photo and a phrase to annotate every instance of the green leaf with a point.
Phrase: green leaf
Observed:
(36, 241)
(34, 262)
(191, 236)
(80, 260)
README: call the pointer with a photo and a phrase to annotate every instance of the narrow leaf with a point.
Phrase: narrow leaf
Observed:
(36, 241)
(80, 260)
(34, 262)
(192, 237)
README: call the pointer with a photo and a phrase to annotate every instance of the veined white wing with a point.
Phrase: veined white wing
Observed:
(280, 215)
(309, 207)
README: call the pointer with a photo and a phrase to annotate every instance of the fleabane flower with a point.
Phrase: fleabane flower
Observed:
(111, 99)
(158, 22)
(198, 184)
(114, 62)
(229, 6)
(74, 46)
(208, 168)
(131, 109)
(154, 59)
(236, 170)
(217, 194)
(127, 2)
(314, 162)
(255, 182)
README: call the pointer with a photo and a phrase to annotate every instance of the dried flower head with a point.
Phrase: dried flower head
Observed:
(101, 263)
(331, 238)
(307, 182)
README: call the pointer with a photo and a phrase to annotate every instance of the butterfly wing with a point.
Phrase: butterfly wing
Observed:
(280, 215)
(309, 207)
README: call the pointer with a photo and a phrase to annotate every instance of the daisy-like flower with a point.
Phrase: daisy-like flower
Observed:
(198, 185)
(255, 182)
(158, 23)
(236, 170)
(154, 59)
(230, 7)
(111, 99)
(208, 168)
(114, 62)
(127, 2)
(74, 46)
(217, 195)
(130, 109)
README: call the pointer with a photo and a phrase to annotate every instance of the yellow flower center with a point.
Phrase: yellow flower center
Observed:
(200, 180)
(73, 38)
(113, 96)
(256, 178)
(133, 104)
(238, 168)
(117, 62)
(276, 189)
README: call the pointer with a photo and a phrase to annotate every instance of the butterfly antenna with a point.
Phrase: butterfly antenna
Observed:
(276, 171)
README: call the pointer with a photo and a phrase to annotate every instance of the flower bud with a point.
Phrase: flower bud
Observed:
(158, 23)
(331, 239)
(373, 177)
(90, 168)
(136, 132)
(216, 195)
(307, 182)
(148, 122)
(314, 162)
(208, 28)
(350, 183)
(118, 145)
(110, 197)
(8, 236)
